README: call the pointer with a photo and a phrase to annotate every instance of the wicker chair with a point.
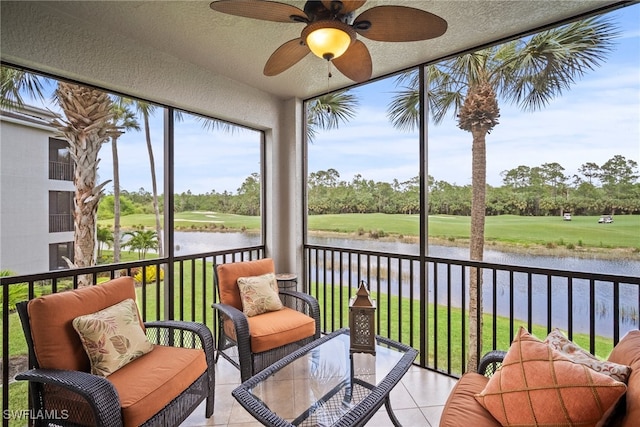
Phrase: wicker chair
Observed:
(159, 388)
(264, 338)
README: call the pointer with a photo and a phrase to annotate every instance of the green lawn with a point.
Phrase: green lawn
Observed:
(581, 231)
(449, 326)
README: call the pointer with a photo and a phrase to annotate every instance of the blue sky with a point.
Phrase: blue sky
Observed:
(597, 119)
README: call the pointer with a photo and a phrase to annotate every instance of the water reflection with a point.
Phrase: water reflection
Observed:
(558, 299)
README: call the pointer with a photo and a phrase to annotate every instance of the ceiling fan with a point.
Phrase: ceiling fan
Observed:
(331, 30)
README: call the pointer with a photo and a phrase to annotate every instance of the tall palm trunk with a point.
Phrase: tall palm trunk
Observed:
(476, 244)
(478, 115)
(116, 198)
(154, 184)
(86, 128)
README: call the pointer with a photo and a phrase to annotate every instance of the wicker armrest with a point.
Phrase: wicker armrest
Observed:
(490, 362)
(242, 338)
(97, 391)
(164, 336)
(177, 333)
(311, 306)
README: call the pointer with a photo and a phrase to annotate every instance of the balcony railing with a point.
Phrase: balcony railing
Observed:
(421, 301)
(60, 222)
(61, 170)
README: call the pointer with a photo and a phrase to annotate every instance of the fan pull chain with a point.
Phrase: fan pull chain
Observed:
(328, 77)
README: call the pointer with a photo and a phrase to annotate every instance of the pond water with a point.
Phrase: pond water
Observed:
(560, 299)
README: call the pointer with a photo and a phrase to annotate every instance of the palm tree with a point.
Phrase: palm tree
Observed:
(142, 241)
(14, 84)
(87, 126)
(105, 238)
(124, 119)
(328, 111)
(528, 73)
(145, 110)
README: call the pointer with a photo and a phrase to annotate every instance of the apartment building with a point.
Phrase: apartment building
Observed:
(36, 193)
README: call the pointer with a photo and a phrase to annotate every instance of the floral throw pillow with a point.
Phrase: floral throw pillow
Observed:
(112, 337)
(259, 294)
(558, 341)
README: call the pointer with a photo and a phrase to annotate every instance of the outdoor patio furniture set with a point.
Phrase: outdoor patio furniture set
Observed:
(96, 363)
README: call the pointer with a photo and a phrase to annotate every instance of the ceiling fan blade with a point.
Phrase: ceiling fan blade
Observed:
(399, 24)
(260, 9)
(347, 5)
(286, 56)
(355, 63)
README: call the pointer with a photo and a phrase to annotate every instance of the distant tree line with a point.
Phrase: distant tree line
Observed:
(611, 188)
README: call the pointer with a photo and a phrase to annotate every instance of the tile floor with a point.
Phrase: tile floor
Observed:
(417, 401)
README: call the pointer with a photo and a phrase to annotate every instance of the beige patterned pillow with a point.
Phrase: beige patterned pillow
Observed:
(259, 294)
(558, 341)
(112, 337)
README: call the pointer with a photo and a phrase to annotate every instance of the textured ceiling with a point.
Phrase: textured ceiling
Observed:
(238, 47)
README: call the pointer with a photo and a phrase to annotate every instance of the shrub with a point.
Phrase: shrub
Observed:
(570, 246)
(150, 274)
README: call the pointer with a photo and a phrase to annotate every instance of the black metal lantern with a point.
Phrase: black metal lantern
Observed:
(362, 325)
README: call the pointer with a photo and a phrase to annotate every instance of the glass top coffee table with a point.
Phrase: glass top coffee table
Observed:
(322, 384)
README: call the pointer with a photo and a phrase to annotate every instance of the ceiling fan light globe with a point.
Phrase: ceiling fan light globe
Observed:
(328, 39)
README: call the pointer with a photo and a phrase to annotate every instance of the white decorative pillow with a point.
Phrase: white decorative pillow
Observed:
(572, 351)
(112, 337)
(259, 294)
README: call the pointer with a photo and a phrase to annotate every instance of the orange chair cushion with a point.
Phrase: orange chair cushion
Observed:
(627, 352)
(149, 383)
(537, 385)
(461, 407)
(228, 275)
(275, 328)
(56, 344)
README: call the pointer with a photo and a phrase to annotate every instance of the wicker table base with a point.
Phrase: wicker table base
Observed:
(323, 384)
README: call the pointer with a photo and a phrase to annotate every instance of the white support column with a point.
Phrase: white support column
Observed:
(284, 189)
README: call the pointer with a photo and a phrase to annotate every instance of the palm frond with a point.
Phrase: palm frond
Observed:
(328, 111)
(550, 62)
(14, 84)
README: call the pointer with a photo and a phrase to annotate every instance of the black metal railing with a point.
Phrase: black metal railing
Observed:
(61, 170)
(423, 302)
(187, 297)
(60, 222)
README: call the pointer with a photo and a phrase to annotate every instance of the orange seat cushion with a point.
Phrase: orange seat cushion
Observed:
(229, 273)
(276, 328)
(461, 407)
(149, 383)
(56, 344)
(627, 352)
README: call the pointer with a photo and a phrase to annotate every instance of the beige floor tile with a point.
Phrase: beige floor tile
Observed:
(412, 417)
(432, 414)
(428, 388)
(416, 401)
